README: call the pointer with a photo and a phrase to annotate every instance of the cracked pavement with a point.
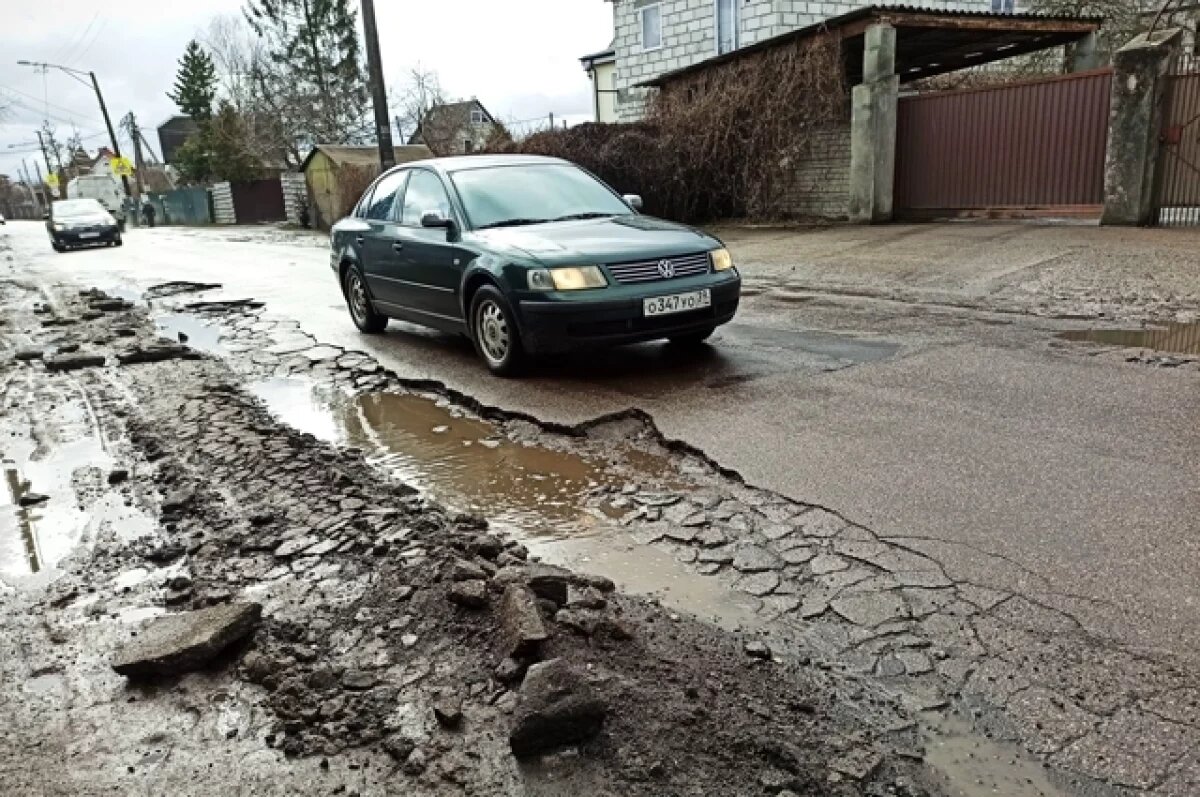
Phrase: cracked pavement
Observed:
(1047, 594)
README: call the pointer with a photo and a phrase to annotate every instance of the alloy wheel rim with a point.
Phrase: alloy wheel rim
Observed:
(492, 330)
(358, 299)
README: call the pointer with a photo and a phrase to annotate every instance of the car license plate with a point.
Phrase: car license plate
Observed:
(677, 303)
(89, 235)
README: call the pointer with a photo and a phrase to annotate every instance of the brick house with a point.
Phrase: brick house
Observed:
(653, 37)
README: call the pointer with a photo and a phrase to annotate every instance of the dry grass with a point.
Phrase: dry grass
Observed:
(714, 145)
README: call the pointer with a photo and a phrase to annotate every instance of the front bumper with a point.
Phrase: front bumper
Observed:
(562, 326)
(93, 235)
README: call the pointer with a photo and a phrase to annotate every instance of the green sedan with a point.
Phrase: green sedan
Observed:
(526, 255)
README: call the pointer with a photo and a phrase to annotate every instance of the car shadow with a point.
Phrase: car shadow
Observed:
(642, 370)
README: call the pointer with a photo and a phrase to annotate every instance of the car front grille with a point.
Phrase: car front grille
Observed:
(649, 271)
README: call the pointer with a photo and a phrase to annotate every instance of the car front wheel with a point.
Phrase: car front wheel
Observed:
(494, 332)
(359, 301)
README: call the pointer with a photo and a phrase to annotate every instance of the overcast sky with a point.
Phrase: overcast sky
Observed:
(519, 57)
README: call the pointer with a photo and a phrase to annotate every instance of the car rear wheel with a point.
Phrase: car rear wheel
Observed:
(58, 247)
(117, 241)
(359, 301)
(494, 332)
(692, 339)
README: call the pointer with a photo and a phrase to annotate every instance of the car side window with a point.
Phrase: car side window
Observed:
(425, 193)
(383, 200)
(360, 211)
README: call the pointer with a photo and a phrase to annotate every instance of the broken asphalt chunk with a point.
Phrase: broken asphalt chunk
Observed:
(469, 594)
(73, 362)
(178, 643)
(556, 707)
(521, 627)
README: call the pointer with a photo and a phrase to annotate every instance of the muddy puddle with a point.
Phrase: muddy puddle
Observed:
(1172, 338)
(972, 765)
(468, 464)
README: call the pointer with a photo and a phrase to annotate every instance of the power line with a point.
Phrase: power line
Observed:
(63, 51)
(39, 99)
(95, 37)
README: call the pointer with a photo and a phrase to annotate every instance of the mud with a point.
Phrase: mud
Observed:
(896, 636)
(335, 692)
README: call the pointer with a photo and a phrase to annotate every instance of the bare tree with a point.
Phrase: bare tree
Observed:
(241, 59)
(416, 100)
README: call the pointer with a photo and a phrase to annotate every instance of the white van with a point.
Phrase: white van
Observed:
(103, 188)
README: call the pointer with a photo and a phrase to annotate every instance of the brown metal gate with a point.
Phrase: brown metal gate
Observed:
(1177, 180)
(258, 200)
(1031, 146)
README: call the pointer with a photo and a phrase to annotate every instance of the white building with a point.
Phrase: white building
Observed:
(657, 36)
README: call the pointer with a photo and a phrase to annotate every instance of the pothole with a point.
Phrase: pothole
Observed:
(1173, 338)
(192, 331)
(527, 490)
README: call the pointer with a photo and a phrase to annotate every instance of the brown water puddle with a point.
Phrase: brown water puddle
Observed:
(972, 765)
(463, 462)
(1174, 338)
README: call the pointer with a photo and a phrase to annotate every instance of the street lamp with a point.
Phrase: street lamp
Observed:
(75, 73)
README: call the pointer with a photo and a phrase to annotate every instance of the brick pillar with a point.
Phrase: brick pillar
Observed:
(873, 129)
(1134, 125)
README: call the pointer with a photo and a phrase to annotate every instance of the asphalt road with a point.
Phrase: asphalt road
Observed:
(1015, 462)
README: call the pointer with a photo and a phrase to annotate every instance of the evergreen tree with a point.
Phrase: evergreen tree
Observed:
(195, 83)
(314, 75)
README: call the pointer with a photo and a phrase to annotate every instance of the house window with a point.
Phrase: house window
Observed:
(727, 19)
(1004, 6)
(468, 145)
(476, 116)
(651, 18)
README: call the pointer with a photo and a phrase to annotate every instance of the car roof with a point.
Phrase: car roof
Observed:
(457, 163)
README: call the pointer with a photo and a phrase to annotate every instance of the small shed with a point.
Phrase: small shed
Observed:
(337, 175)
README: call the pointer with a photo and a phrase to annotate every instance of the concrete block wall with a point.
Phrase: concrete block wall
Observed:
(817, 184)
(689, 35)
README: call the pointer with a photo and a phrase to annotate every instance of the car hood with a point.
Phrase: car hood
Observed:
(85, 221)
(599, 241)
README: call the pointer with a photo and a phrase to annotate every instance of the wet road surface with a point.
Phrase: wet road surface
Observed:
(1013, 462)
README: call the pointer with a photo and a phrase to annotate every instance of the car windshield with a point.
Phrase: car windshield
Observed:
(514, 195)
(70, 208)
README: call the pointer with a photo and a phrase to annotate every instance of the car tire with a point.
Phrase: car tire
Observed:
(58, 247)
(358, 300)
(495, 333)
(692, 340)
(117, 241)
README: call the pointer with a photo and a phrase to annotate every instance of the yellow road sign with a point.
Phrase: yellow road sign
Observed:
(52, 180)
(122, 167)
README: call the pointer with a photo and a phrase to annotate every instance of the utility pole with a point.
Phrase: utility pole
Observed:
(95, 84)
(552, 120)
(383, 126)
(45, 188)
(130, 122)
(62, 188)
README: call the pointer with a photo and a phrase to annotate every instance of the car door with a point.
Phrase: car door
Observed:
(429, 262)
(379, 246)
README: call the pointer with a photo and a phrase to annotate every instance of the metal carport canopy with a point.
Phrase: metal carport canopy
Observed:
(928, 41)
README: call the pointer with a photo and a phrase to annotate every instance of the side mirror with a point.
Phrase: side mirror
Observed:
(431, 218)
(633, 200)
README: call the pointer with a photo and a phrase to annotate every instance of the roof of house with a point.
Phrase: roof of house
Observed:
(343, 155)
(451, 116)
(929, 41)
(605, 56)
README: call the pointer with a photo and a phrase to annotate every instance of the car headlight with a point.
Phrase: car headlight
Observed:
(721, 260)
(59, 226)
(572, 278)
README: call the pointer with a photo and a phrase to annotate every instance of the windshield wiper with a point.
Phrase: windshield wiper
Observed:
(591, 214)
(511, 223)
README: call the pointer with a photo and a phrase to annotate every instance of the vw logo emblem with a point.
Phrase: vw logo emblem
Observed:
(666, 269)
